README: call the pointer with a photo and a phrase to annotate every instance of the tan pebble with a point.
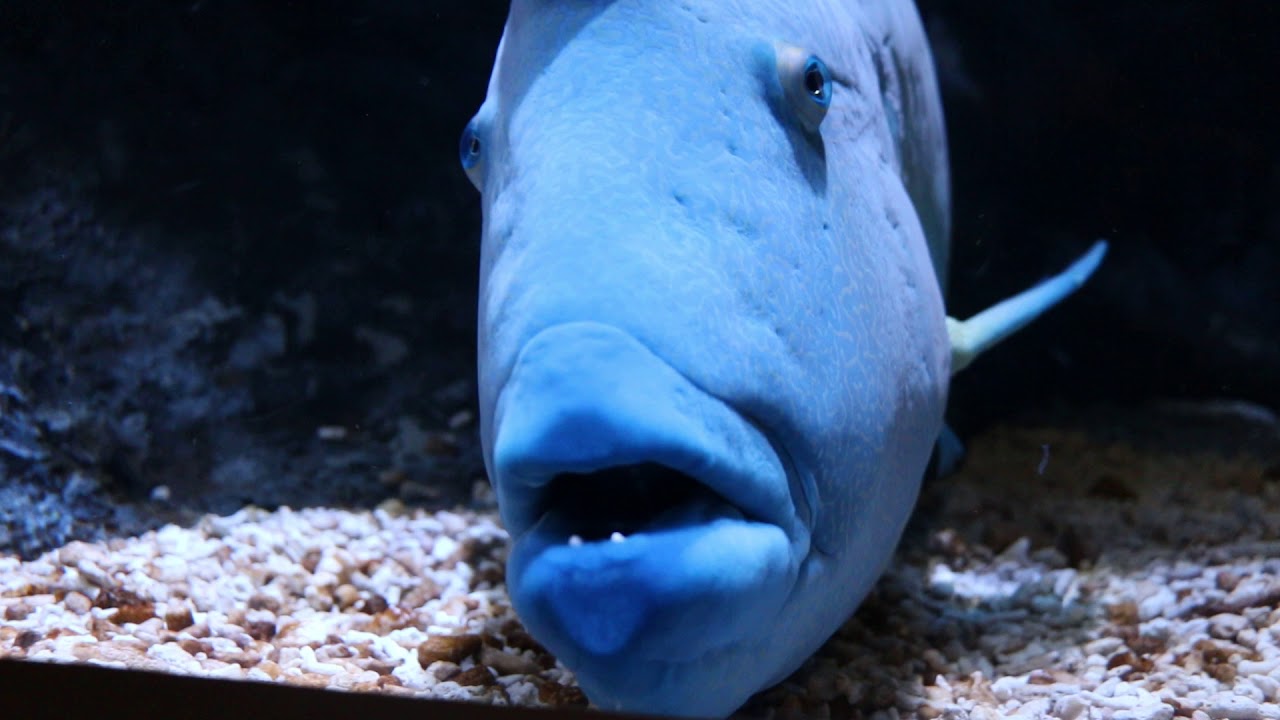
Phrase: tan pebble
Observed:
(77, 602)
(18, 611)
(453, 648)
(444, 670)
(310, 560)
(1123, 613)
(373, 605)
(522, 640)
(270, 668)
(176, 620)
(346, 595)
(379, 666)
(458, 605)
(557, 695)
(1227, 580)
(115, 652)
(196, 646)
(134, 613)
(362, 686)
(929, 712)
(246, 660)
(474, 677)
(419, 596)
(261, 630)
(26, 639)
(311, 680)
(507, 663)
(389, 681)
(87, 651)
(263, 602)
(334, 650)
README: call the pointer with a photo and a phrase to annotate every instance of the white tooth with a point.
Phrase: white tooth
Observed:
(617, 537)
(575, 541)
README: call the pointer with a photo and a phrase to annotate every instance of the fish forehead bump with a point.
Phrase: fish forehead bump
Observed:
(877, 46)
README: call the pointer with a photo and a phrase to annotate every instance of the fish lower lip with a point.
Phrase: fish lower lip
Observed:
(608, 601)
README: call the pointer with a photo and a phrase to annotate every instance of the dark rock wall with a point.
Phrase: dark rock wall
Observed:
(1151, 124)
(238, 260)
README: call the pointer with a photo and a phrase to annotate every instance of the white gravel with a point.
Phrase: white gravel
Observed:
(1133, 585)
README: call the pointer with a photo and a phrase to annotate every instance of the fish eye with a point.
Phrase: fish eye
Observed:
(817, 81)
(806, 82)
(471, 153)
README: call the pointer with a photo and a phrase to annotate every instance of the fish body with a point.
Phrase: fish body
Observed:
(713, 351)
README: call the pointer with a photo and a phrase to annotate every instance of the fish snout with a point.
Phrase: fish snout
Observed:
(644, 510)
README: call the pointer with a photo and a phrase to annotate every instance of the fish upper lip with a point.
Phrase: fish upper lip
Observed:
(714, 444)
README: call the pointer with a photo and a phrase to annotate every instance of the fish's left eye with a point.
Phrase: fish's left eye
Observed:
(806, 83)
(471, 153)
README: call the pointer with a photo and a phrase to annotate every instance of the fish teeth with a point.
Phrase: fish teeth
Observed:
(577, 541)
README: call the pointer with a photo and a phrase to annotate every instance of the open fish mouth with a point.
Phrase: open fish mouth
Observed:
(617, 502)
(638, 502)
(593, 427)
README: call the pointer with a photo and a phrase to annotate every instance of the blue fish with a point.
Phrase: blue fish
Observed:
(713, 351)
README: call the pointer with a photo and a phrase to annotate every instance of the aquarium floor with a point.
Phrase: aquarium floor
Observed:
(1116, 564)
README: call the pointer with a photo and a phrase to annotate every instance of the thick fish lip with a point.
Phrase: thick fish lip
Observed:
(584, 397)
(695, 577)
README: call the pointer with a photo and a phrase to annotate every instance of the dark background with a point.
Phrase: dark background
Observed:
(225, 225)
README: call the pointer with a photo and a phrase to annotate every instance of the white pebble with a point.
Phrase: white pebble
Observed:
(312, 665)
(1146, 711)
(1225, 626)
(1259, 667)
(1069, 707)
(1234, 707)
(1157, 603)
(444, 547)
(1007, 687)
(174, 657)
(1267, 685)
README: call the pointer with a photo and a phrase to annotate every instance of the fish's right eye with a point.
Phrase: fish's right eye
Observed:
(471, 153)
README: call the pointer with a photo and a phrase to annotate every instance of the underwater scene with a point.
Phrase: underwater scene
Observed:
(862, 359)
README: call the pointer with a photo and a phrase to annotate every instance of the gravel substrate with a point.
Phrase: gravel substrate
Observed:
(1061, 573)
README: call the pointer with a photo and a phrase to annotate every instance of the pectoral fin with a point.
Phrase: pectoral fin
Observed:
(974, 336)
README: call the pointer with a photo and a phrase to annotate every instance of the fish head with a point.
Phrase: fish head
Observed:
(712, 351)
